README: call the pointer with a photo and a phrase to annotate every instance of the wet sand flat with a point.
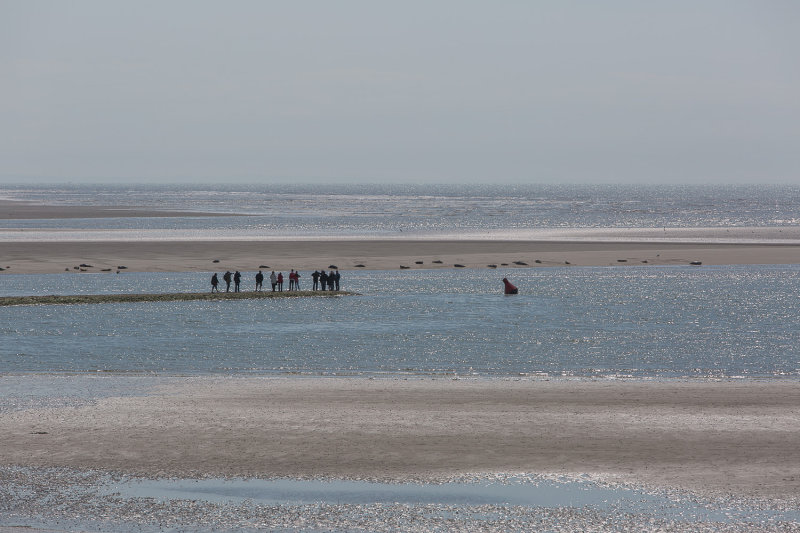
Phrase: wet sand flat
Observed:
(712, 437)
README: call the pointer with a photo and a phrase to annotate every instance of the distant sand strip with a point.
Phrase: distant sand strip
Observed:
(564, 247)
(168, 297)
(40, 257)
(15, 210)
(717, 437)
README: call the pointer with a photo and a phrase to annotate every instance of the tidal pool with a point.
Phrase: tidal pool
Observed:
(88, 500)
(510, 492)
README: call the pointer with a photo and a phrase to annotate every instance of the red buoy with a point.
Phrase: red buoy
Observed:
(510, 288)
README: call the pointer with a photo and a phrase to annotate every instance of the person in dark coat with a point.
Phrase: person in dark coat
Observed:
(280, 281)
(227, 278)
(336, 278)
(323, 280)
(331, 280)
(259, 280)
(214, 283)
(237, 278)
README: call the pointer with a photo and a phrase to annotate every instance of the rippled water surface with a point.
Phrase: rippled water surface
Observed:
(417, 210)
(647, 321)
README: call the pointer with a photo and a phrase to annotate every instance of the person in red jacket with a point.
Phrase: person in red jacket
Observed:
(510, 288)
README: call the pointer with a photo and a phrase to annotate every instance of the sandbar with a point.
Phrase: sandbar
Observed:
(560, 248)
(39, 257)
(54, 299)
(730, 437)
(19, 210)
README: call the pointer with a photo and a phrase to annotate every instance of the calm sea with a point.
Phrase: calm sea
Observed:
(637, 321)
(382, 211)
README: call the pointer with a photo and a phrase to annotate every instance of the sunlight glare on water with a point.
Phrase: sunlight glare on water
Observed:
(639, 321)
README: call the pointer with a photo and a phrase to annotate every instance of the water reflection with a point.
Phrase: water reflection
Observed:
(644, 322)
(511, 492)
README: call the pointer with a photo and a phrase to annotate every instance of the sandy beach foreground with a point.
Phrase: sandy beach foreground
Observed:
(712, 437)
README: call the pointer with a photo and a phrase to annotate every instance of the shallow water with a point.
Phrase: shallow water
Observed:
(511, 492)
(644, 322)
(81, 501)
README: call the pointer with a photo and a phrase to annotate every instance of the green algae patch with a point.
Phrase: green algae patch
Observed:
(165, 297)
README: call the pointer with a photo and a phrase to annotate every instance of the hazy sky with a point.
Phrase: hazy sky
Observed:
(697, 91)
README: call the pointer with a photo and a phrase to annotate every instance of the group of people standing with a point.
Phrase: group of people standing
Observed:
(237, 279)
(321, 281)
